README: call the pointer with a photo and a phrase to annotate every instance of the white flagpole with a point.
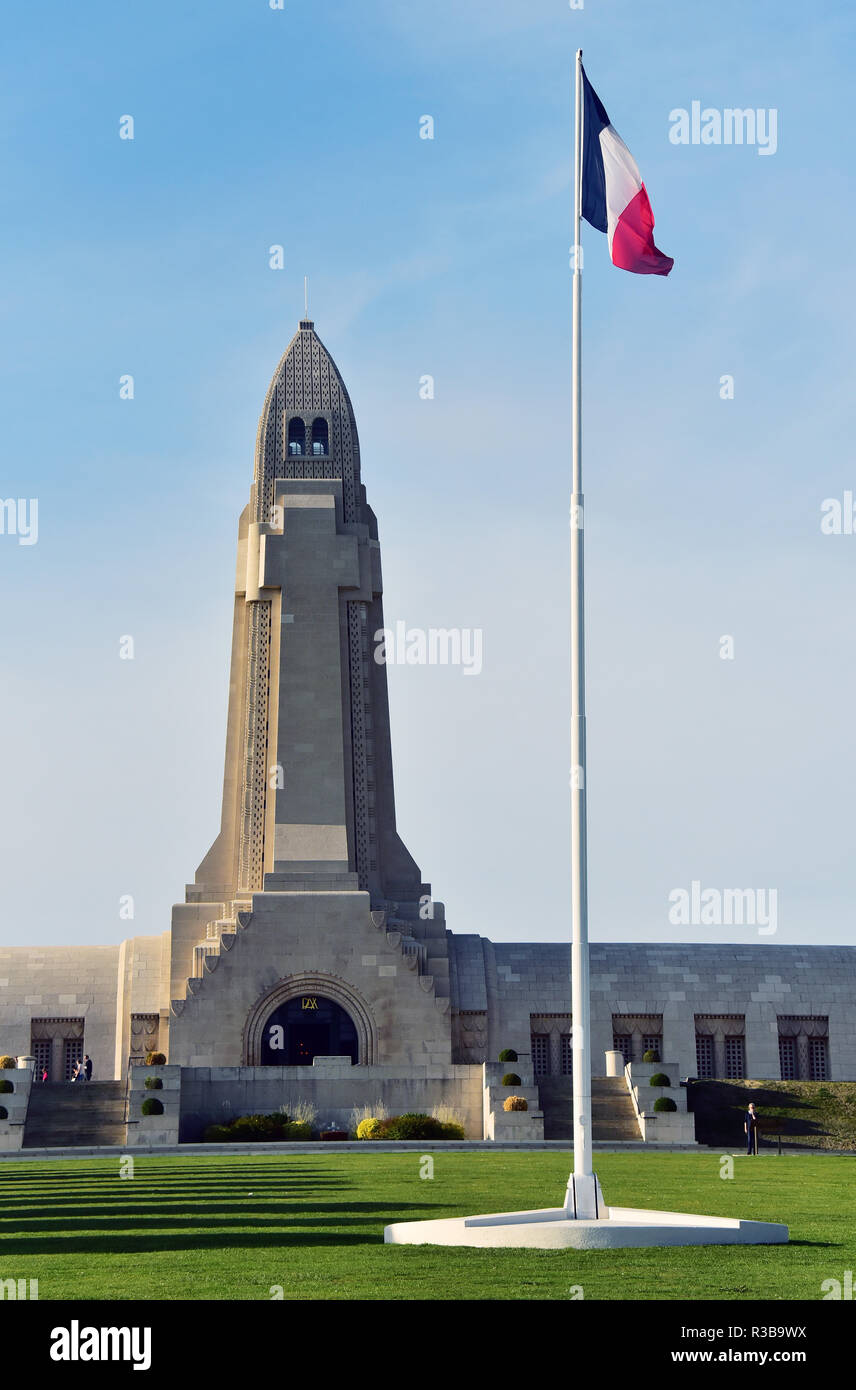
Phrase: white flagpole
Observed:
(583, 1193)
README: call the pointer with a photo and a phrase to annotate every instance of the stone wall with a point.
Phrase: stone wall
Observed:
(214, 1095)
(61, 982)
(516, 981)
(15, 1103)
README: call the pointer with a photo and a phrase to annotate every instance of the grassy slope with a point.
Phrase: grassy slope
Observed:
(187, 1228)
(813, 1114)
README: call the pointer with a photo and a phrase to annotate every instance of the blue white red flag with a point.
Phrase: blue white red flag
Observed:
(614, 198)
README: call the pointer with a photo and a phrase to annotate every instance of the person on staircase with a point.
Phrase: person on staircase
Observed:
(86, 1068)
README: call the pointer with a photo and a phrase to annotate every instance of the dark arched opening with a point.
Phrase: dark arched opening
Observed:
(306, 1027)
(320, 436)
(296, 435)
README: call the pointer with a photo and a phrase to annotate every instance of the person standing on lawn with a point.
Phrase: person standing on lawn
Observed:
(751, 1127)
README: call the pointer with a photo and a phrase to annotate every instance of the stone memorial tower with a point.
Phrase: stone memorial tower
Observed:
(308, 930)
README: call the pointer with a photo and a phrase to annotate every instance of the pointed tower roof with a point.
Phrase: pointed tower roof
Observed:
(307, 386)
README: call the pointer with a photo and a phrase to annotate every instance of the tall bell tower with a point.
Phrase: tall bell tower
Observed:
(308, 802)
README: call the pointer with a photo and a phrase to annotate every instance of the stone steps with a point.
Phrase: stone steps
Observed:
(613, 1119)
(64, 1115)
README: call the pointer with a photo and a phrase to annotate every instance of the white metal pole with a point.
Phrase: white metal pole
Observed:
(582, 1186)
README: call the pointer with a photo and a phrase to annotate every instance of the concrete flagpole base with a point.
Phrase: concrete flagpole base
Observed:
(584, 1199)
(552, 1229)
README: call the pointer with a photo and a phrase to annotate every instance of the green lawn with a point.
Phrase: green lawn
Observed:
(231, 1227)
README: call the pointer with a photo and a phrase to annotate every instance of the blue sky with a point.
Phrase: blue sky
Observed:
(299, 127)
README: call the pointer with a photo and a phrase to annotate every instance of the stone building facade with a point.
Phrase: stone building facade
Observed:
(308, 930)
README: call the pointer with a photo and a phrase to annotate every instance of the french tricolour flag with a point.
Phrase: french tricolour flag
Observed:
(614, 197)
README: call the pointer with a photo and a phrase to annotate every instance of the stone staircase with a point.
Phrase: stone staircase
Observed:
(423, 944)
(613, 1119)
(65, 1115)
(220, 936)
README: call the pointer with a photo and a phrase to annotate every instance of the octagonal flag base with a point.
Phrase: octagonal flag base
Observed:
(552, 1229)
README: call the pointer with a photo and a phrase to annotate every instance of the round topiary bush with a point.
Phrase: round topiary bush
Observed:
(297, 1129)
(664, 1103)
(452, 1130)
(511, 1079)
(7, 1063)
(154, 1083)
(155, 1059)
(508, 1055)
(368, 1128)
(515, 1103)
(4, 1113)
(5, 1087)
(652, 1055)
(151, 1107)
(659, 1079)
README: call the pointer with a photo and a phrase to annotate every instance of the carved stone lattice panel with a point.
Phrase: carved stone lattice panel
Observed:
(362, 818)
(252, 841)
(145, 1030)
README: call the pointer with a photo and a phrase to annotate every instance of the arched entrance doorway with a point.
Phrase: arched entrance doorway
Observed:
(305, 1027)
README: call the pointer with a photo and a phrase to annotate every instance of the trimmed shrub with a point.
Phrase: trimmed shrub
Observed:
(154, 1083)
(4, 1113)
(151, 1107)
(659, 1079)
(652, 1055)
(508, 1055)
(155, 1059)
(515, 1103)
(664, 1103)
(5, 1087)
(452, 1130)
(411, 1126)
(511, 1079)
(217, 1134)
(8, 1063)
(258, 1129)
(367, 1129)
(250, 1127)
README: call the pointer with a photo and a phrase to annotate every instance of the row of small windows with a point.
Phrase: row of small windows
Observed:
(720, 1046)
(803, 1050)
(318, 439)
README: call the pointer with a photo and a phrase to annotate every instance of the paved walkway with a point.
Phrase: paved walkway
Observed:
(350, 1146)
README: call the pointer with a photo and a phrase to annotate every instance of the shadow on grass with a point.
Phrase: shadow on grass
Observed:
(719, 1108)
(190, 1173)
(281, 1217)
(131, 1244)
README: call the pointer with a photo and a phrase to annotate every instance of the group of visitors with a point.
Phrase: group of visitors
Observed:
(83, 1069)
